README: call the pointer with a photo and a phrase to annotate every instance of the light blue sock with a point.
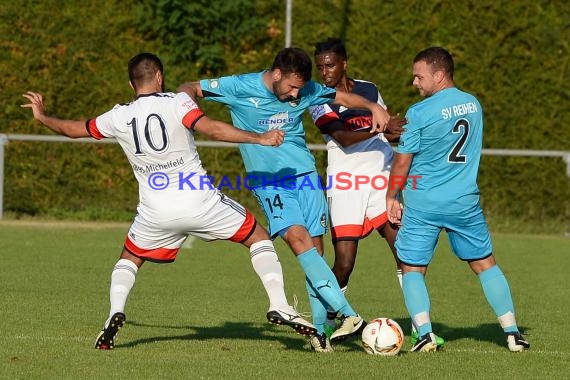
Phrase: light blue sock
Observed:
(323, 281)
(417, 300)
(498, 294)
(318, 309)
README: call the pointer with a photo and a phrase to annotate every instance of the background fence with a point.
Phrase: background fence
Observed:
(6, 138)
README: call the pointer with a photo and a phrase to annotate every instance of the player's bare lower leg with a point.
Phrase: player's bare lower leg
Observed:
(344, 260)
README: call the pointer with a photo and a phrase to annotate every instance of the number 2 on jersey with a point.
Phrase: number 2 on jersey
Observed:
(462, 127)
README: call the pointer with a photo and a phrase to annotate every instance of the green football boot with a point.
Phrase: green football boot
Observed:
(415, 336)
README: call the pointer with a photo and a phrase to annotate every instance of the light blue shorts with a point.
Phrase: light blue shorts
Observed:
(298, 201)
(467, 232)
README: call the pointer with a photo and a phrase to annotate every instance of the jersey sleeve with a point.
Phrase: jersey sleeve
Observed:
(411, 138)
(317, 93)
(221, 90)
(101, 127)
(380, 101)
(322, 115)
(187, 110)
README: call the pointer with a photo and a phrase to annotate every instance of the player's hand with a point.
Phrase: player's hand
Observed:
(36, 103)
(394, 209)
(380, 118)
(274, 137)
(395, 125)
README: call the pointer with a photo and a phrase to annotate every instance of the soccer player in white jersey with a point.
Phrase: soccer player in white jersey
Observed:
(355, 157)
(284, 179)
(442, 143)
(155, 131)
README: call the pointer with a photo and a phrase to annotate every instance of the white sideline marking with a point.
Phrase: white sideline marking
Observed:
(487, 352)
(49, 338)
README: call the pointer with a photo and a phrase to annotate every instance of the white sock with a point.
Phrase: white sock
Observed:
(267, 266)
(122, 281)
(399, 275)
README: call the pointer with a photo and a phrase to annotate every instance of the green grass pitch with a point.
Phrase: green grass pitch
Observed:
(203, 317)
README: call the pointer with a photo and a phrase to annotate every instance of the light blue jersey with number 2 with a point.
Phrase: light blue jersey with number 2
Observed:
(445, 134)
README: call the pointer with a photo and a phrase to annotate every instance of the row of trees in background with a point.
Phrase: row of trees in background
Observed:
(512, 55)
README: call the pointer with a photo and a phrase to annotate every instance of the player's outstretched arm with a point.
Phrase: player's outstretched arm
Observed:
(69, 128)
(343, 137)
(193, 89)
(335, 128)
(380, 116)
(218, 130)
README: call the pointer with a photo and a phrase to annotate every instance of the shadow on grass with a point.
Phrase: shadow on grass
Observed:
(485, 332)
(488, 332)
(229, 330)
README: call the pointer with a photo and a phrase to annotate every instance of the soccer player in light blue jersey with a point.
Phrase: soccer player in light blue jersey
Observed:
(284, 179)
(439, 155)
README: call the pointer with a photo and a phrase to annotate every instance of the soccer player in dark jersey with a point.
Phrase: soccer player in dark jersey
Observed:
(356, 211)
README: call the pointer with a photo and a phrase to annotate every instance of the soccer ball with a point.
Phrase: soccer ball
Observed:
(382, 336)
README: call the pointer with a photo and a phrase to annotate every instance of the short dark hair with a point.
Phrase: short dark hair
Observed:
(333, 45)
(438, 58)
(143, 67)
(294, 61)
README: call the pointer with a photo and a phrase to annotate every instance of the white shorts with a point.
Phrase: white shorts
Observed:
(157, 233)
(354, 214)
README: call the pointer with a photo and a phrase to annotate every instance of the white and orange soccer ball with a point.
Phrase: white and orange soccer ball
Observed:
(382, 336)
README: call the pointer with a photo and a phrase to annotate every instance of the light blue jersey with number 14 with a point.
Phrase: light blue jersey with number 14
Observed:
(445, 134)
(256, 109)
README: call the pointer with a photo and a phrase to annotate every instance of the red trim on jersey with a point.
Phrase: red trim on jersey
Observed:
(192, 117)
(92, 129)
(326, 118)
(245, 230)
(356, 231)
(159, 255)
